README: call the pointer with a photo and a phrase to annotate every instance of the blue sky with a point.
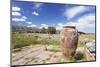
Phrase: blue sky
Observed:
(32, 14)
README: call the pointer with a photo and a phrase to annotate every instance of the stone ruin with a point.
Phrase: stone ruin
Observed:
(69, 40)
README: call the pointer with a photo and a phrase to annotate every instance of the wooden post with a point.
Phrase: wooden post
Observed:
(69, 40)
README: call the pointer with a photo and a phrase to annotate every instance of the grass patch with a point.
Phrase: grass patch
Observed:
(83, 38)
(21, 40)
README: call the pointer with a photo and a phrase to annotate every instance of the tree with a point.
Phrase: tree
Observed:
(43, 30)
(51, 30)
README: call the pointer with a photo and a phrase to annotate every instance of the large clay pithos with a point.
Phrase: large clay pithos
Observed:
(69, 40)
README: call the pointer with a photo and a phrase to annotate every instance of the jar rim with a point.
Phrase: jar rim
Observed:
(69, 27)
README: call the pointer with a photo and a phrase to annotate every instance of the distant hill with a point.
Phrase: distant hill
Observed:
(81, 32)
(16, 28)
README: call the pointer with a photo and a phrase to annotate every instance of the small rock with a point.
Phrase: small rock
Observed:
(16, 50)
(91, 46)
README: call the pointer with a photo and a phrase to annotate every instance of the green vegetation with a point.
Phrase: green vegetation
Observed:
(18, 40)
(83, 38)
(21, 40)
(51, 30)
(23, 29)
(25, 39)
(43, 30)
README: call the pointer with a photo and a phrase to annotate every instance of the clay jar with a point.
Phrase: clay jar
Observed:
(69, 40)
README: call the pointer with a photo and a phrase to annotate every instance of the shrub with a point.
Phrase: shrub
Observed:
(51, 30)
(79, 55)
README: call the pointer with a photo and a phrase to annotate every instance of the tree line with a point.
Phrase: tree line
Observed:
(50, 30)
(20, 29)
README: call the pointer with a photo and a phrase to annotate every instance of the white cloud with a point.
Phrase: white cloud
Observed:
(37, 5)
(18, 19)
(32, 25)
(24, 17)
(85, 23)
(16, 9)
(71, 12)
(29, 22)
(59, 26)
(35, 13)
(90, 18)
(16, 14)
(44, 25)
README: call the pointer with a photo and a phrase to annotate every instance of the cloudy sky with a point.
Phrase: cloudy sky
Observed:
(32, 14)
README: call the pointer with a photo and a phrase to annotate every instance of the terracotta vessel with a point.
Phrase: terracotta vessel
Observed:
(69, 40)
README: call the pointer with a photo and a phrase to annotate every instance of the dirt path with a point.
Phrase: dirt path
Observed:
(35, 55)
